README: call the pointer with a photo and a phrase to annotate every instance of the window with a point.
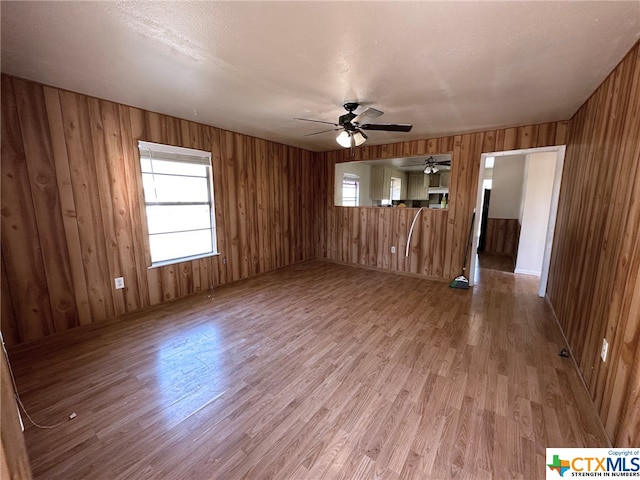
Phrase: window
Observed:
(396, 186)
(350, 190)
(178, 194)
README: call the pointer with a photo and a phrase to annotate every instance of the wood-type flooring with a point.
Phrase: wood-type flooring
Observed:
(314, 371)
(494, 261)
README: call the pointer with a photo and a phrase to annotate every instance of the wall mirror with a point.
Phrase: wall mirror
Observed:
(414, 182)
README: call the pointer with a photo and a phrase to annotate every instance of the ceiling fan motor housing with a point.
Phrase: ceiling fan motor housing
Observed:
(350, 106)
(345, 120)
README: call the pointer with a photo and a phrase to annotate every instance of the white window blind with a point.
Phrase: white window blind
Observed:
(350, 190)
(178, 194)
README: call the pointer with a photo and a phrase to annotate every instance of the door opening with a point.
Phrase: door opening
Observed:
(537, 211)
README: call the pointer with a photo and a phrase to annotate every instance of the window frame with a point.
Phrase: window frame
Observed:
(186, 152)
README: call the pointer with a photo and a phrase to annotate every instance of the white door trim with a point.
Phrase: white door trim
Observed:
(551, 226)
(555, 195)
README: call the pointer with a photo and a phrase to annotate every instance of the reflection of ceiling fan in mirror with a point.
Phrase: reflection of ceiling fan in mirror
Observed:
(431, 165)
(352, 125)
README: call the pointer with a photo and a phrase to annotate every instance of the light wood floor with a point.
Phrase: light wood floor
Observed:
(314, 371)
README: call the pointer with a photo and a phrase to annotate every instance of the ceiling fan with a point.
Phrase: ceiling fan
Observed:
(352, 125)
(431, 165)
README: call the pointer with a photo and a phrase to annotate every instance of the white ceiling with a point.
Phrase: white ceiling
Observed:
(409, 164)
(251, 67)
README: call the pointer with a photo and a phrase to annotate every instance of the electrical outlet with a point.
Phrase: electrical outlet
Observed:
(605, 348)
(119, 283)
(393, 249)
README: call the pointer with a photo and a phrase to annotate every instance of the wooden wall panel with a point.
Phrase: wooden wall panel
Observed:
(46, 203)
(14, 461)
(502, 236)
(138, 254)
(21, 251)
(84, 182)
(8, 324)
(67, 204)
(73, 216)
(442, 235)
(621, 386)
(594, 284)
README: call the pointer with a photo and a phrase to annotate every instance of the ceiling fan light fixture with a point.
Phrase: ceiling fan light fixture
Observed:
(430, 169)
(359, 138)
(344, 139)
(352, 125)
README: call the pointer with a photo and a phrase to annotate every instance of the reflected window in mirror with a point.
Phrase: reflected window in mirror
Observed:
(396, 188)
(394, 192)
(350, 189)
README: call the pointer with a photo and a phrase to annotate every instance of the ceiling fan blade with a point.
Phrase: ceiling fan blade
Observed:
(323, 131)
(316, 121)
(367, 114)
(387, 127)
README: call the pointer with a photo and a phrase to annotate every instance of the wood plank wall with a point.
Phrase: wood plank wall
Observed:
(14, 460)
(502, 236)
(594, 280)
(72, 218)
(364, 235)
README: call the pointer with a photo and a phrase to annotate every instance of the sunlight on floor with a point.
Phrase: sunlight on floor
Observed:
(190, 372)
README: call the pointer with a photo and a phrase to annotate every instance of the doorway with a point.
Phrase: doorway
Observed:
(500, 220)
(536, 210)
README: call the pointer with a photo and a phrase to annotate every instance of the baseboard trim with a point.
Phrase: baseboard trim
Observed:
(385, 270)
(575, 365)
(522, 271)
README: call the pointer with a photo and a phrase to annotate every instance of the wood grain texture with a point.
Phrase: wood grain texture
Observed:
(84, 182)
(297, 374)
(14, 461)
(73, 217)
(46, 203)
(502, 236)
(21, 252)
(8, 324)
(67, 204)
(441, 235)
(594, 282)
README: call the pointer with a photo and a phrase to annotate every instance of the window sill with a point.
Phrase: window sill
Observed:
(165, 263)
